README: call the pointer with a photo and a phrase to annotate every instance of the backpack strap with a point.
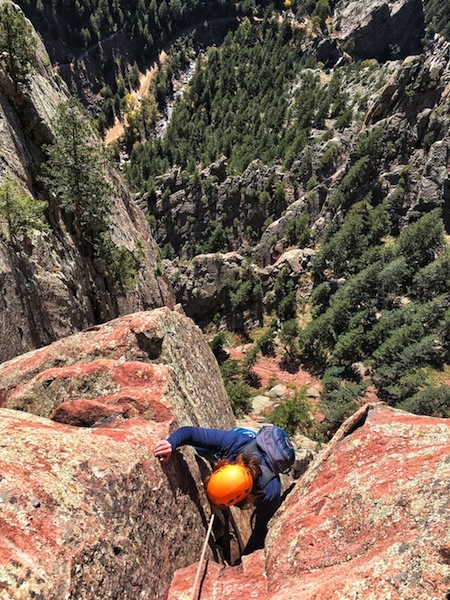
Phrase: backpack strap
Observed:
(266, 472)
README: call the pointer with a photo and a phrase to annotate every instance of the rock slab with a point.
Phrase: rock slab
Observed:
(86, 511)
(368, 520)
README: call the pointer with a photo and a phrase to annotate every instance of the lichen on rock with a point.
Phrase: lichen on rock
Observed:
(86, 510)
(367, 520)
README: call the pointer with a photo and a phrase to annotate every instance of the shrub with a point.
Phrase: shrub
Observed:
(298, 232)
(287, 307)
(21, 211)
(432, 279)
(217, 344)
(230, 370)
(167, 252)
(339, 404)
(123, 264)
(241, 296)
(395, 276)
(320, 298)
(266, 342)
(343, 251)
(349, 347)
(292, 414)
(17, 42)
(239, 395)
(434, 401)
(420, 241)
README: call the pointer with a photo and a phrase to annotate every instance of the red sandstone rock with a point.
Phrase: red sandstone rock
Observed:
(86, 511)
(140, 358)
(369, 520)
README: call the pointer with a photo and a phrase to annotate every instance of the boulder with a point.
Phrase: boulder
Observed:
(313, 392)
(367, 520)
(292, 259)
(86, 511)
(260, 404)
(277, 391)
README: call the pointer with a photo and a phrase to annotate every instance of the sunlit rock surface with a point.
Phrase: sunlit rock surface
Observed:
(86, 511)
(369, 519)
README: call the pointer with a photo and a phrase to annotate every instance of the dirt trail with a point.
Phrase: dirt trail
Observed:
(145, 79)
(118, 129)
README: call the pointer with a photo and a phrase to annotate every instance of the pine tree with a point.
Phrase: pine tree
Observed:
(17, 42)
(74, 173)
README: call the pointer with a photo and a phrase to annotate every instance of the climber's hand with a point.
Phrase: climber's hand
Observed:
(162, 450)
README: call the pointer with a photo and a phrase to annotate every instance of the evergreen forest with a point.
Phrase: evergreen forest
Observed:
(373, 311)
(261, 97)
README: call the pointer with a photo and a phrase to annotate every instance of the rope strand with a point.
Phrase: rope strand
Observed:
(194, 595)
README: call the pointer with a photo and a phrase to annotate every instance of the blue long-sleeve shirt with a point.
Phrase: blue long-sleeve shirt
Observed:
(228, 444)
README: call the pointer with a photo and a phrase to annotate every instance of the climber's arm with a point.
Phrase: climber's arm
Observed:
(217, 440)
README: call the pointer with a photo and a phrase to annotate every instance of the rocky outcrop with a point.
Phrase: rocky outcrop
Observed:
(202, 286)
(86, 511)
(380, 29)
(41, 381)
(213, 212)
(205, 286)
(367, 520)
(48, 288)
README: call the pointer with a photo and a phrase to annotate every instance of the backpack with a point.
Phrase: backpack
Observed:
(274, 443)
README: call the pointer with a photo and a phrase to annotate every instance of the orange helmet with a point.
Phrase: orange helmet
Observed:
(229, 485)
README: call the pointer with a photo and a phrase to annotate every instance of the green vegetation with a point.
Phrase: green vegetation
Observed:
(292, 414)
(254, 97)
(377, 300)
(17, 42)
(21, 212)
(298, 232)
(338, 401)
(141, 116)
(239, 392)
(437, 15)
(392, 309)
(148, 24)
(76, 174)
(217, 345)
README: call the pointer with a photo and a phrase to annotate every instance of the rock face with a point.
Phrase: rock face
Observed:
(48, 288)
(380, 29)
(86, 511)
(205, 285)
(367, 520)
(213, 212)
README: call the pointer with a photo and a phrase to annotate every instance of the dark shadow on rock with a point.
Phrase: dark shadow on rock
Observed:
(152, 346)
(180, 478)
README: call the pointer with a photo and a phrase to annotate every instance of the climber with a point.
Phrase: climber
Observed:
(246, 473)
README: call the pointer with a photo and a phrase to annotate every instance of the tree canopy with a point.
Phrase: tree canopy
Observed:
(17, 42)
(74, 172)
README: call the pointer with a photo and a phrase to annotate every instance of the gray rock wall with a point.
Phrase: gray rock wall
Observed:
(380, 29)
(48, 289)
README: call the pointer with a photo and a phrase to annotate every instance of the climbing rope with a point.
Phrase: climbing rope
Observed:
(195, 595)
